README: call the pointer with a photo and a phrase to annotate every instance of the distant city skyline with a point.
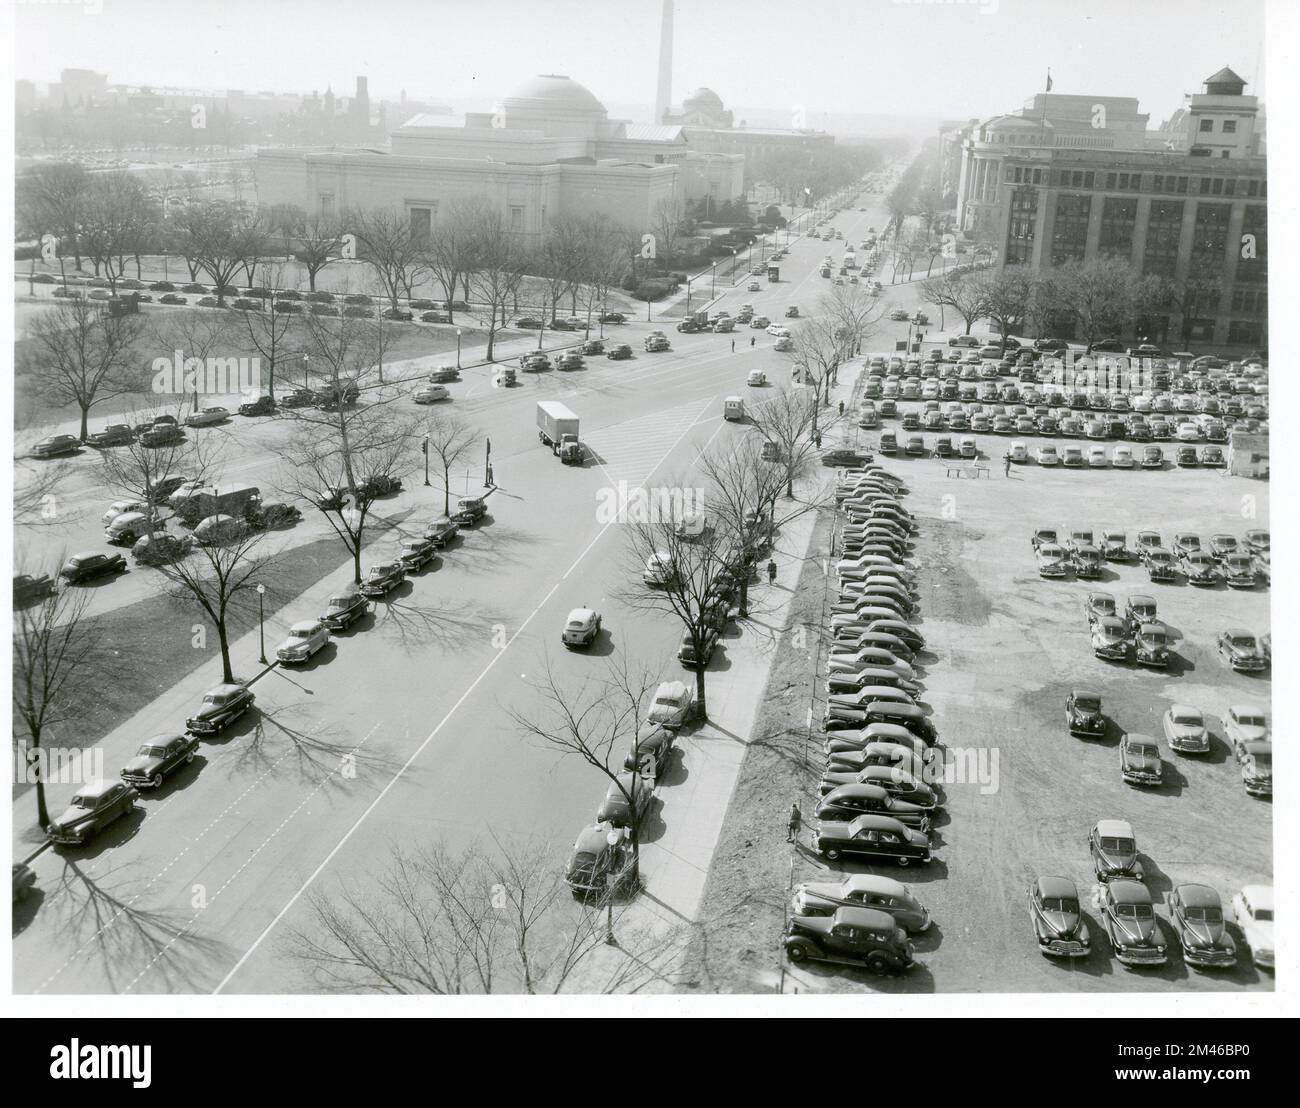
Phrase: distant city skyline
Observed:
(920, 60)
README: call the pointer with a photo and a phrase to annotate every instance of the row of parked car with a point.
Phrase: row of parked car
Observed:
(877, 799)
(1240, 564)
(1128, 917)
(98, 804)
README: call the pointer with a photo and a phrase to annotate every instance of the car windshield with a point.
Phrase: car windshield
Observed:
(1247, 642)
(1061, 904)
(1134, 911)
(82, 801)
(1185, 720)
(1103, 603)
(148, 751)
(1154, 637)
(1206, 915)
(340, 603)
(1147, 750)
(1247, 720)
(1117, 846)
(1087, 703)
(300, 632)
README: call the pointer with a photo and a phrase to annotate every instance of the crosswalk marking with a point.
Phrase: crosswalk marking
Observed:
(631, 451)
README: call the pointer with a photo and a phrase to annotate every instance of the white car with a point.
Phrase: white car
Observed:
(1047, 455)
(1188, 432)
(756, 378)
(581, 628)
(121, 507)
(207, 416)
(1122, 457)
(658, 569)
(1244, 723)
(778, 331)
(784, 344)
(304, 639)
(1253, 910)
(673, 705)
(1097, 457)
(429, 394)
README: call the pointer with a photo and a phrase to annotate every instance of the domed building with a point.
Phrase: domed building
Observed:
(703, 108)
(711, 127)
(547, 149)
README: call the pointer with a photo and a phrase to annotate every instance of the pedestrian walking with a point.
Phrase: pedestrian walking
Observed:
(733, 346)
(753, 340)
(771, 571)
(1007, 458)
(841, 407)
(796, 821)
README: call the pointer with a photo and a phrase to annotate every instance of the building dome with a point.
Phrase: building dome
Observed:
(553, 92)
(703, 99)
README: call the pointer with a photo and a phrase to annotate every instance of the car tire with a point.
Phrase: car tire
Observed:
(831, 855)
(904, 861)
(798, 951)
(878, 964)
(157, 779)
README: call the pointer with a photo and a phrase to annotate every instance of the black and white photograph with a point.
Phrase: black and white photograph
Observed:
(671, 508)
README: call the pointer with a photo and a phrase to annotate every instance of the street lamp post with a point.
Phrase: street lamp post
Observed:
(425, 447)
(306, 358)
(613, 838)
(458, 348)
(261, 625)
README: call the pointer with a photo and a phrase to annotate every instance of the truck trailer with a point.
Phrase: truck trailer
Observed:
(557, 427)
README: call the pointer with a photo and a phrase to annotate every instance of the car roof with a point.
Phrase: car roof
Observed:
(1127, 891)
(1114, 828)
(592, 839)
(1138, 737)
(583, 614)
(673, 690)
(872, 918)
(1057, 886)
(305, 625)
(857, 788)
(878, 823)
(1239, 631)
(875, 883)
(1246, 710)
(1077, 693)
(1183, 709)
(1141, 598)
(1260, 896)
(1198, 896)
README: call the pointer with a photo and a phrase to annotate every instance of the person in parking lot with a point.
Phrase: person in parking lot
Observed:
(771, 571)
(753, 339)
(1007, 458)
(733, 346)
(796, 821)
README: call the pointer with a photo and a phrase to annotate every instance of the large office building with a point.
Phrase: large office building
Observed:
(549, 149)
(1078, 178)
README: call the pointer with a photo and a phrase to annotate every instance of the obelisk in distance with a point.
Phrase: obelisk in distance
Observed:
(664, 89)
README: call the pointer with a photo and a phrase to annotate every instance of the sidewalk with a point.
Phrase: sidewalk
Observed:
(675, 867)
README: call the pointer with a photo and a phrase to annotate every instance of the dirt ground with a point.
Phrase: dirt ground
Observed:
(1004, 648)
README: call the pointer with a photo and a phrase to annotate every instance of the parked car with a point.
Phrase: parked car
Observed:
(862, 890)
(1184, 730)
(344, 608)
(619, 352)
(1196, 913)
(860, 936)
(673, 705)
(1052, 561)
(848, 801)
(469, 510)
(1241, 650)
(1139, 760)
(28, 588)
(112, 434)
(158, 757)
(1083, 714)
(220, 708)
(415, 553)
(1114, 546)
(382, 578)
(1109, 637)
(430, 394)
(95, 805)
(872, 836)
(598, 867)
(305, 638)
(1114, 850)
(1129, 918)
(582, 628)
(1151, 645)
(1252, 908)
(627, 800)
(53, 445)
(89, 565)
(1058, 923)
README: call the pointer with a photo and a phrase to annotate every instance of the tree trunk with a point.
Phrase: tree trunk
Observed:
(356, 561)
(446, 490)
(227, 674)
(85, 422)
(703, 707)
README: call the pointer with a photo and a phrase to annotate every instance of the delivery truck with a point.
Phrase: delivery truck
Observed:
(557, 427)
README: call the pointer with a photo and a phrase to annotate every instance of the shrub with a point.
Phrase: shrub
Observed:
(653, 289)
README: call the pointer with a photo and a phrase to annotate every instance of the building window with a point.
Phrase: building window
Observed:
(1218, 186)
(1182, 184)
(1252, 188)
(1164, 229)
(1207, 125)
(1210, 240)
(1088, 180)
(516, 219)
(1205, 186)
(1070, 228)
(1229, 186)
(1110, 181)
(1245, 332)
(1229, 126)
(327, 205)
(1038, 176)
(1123, 180)
(1159, 183)
(1135, 182)
(1223, 153)
(421, 222)
(1020, 226)
(1118, 220)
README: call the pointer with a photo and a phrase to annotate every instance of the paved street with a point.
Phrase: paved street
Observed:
(401, 732)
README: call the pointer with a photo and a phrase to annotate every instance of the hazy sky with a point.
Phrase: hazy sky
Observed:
(949, 58)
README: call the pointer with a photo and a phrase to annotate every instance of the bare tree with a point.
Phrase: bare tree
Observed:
(958, 291)
(52, 641)
(315, 239)
(1008, 296)
(396, 255)
(110, 227)
(37, 487)
(221, 238)
(213, 575)
(788, 421)
(596, 724)
(52, 200)
(269, 332)
(139, 472)
(201, 335)
(83, 355)
(450, 438)
(450, 254)
(499, 265)
(448, 924)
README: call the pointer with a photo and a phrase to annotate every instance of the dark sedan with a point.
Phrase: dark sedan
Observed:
(1058, 924)
(88, 566)
(220, 708)
(157, 758)
(872, 836)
